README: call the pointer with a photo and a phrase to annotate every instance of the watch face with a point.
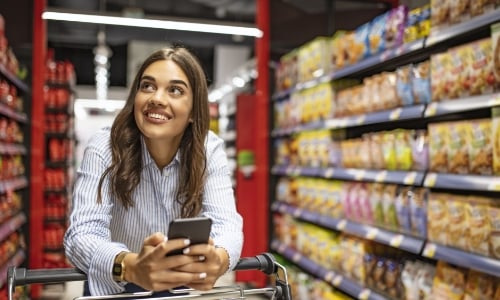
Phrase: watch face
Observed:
(117, 269)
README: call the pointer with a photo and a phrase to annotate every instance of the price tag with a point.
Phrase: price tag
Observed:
(430, 180)
(360, 120)
(297, 212)
(495, 101)
(385, 55)
(329, 172)
(429, 250)
(364, 295)
(281, 248)
(400, 50)
(341, 225)
(359, 175)
(494, 186)
(328, 276)
(337, 280)
(410, 178)
(296, 257)
(372, 233)
(396, 241)
(297, 171)
(381, 176)
(395, 114)
(431, 109)
(282, 209)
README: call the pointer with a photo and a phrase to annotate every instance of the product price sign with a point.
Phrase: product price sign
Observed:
(359, 175)
(381, 176)
(430, 180)
(296, 257)
(337, 280)
(429, 250)
(364, 295)
(494, 185)
(395, 114)
(371, 234)
(297, 212)
(341, 225)
(329, 276)
(410, 178)
(495, 101)
(396, 241)
(329, 172)
(360, 120)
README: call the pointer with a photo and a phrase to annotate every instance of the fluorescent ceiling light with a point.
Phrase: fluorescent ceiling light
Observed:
(153, 23)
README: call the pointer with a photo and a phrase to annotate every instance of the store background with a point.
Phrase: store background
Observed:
(292, 24)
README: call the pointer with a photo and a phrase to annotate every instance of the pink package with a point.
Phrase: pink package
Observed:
(395, 29)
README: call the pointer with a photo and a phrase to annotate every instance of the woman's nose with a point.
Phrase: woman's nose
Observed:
(159, 98)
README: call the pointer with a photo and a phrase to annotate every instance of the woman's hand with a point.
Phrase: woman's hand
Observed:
(152, 270)
(212, 261)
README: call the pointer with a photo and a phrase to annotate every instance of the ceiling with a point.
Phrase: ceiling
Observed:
(292, 23)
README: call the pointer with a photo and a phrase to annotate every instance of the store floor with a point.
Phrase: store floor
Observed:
(71, 290)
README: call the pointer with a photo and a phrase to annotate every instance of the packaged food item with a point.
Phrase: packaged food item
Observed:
(480, 147)
(421, 83)
(420, 150)
(389, 150)
(440, 66)
(392, 278)
(377, 203)
(438, 154)
(411, 31)
(409, 279)
(458, 222)
(389, 96)
(403, 149)
(424, 24)
(449, 282)
(338, 49)
(440, 11)
(359, 48)
(479, 225)
(494, 218)
(425, 278)
(437, 218)
(495, 44)
(495, 126)
(479, 7)
(376, 37)
(479, 286)
(376, 149)
(389, 207)
(403, 208)
(481, 72)
(458, 149)
(404, 85)
(459, 79)
(418, 198)
(395, 26)
(459, 10)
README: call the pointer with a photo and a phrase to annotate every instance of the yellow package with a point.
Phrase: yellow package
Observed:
(449, 282)
(480, 146)
(458, 149)
(437, 218)
(479, 225)
(438, 154)
(458, 221)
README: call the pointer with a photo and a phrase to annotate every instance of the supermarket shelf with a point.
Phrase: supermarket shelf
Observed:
(13, 184)
(304, 127)
(11, 225)
(454, 31)
(386, 237)
(14, 79)
(9, 148)
(9, 112)
(414, 178)
(462, 182)
(16, 260)
(462, 258)
(340, 282)
(461, 105)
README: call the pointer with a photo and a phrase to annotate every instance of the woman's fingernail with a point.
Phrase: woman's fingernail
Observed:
(185, 251)
(203, 275)
(187, 242)
(165, 239)
(201, 258)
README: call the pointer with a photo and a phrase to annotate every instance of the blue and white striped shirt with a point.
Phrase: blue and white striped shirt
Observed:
(98, 232)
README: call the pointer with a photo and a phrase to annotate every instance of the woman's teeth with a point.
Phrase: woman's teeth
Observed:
(157, 116)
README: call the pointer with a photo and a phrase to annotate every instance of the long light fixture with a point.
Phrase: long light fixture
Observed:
(172, 24)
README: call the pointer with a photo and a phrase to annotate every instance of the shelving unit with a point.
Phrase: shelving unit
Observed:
(14, 192)
(417, 115)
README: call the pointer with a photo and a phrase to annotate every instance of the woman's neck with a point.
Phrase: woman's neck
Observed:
(162, 152)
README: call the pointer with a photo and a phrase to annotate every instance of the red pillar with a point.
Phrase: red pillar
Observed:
(37, 140)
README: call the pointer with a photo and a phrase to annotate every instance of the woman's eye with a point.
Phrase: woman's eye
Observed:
(147, 87)
(176, 90)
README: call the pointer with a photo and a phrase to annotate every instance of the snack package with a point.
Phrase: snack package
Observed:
(479, 7)
(389, 207)
(418, 211)
(479, 225)
(458, 149)
(479, 286)
(437, 218)
(359, 48)
(458, 222)
(495, 44)
(404, 85)
(392, 278)
(420, 150)
(494, 218)
(449, 282)
(482, 68)
(421, 83)
(377, 203)
(403, 149)
(389, 151)
(424, 22)
(411, 31)
(459, 10)
(438, 154)
(409, 279)
(376, 37)
(425, 278)
(459, 79)
(395, 26)
(403, 208)
(480, 147)
(440, 11)
(440, 65)
(495, 126)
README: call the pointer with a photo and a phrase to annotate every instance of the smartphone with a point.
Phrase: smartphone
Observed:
(197, 230)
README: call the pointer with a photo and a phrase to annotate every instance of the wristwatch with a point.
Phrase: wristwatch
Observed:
(119, 267)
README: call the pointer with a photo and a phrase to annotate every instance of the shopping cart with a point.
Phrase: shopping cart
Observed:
(265, 262)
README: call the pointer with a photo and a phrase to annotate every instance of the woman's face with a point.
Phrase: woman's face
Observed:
(163, 101)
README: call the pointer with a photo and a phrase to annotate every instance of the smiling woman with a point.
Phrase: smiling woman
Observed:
(158, 162)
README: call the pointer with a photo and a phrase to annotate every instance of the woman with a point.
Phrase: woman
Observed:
(157, 162)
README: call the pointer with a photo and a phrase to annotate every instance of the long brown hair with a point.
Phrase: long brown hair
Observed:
(126, 167)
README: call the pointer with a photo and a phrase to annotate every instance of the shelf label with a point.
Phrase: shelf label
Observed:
(341, 225)
(282, 209)
(495, 101)
(329, 172)
(360, 120)
(381, 176)
(329, 276)
(337, 280)
(410, 178)
(297, 212)
(494, 186)
(296, 257)
(395, 114)
(430, 180)
(359, 175)
(296, 171)
(372, 233)
(281, 248)
(364, 295)
(431, 109)
(396, 241)
(429, 250)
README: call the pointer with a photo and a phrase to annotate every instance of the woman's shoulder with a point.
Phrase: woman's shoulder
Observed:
(101, 138)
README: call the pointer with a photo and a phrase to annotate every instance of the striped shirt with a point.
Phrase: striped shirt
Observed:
(98, 232)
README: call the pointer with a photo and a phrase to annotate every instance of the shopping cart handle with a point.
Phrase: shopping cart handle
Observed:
(264, 262)
(23, 276)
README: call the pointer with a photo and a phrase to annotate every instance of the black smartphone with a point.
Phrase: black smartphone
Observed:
(197, 230)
